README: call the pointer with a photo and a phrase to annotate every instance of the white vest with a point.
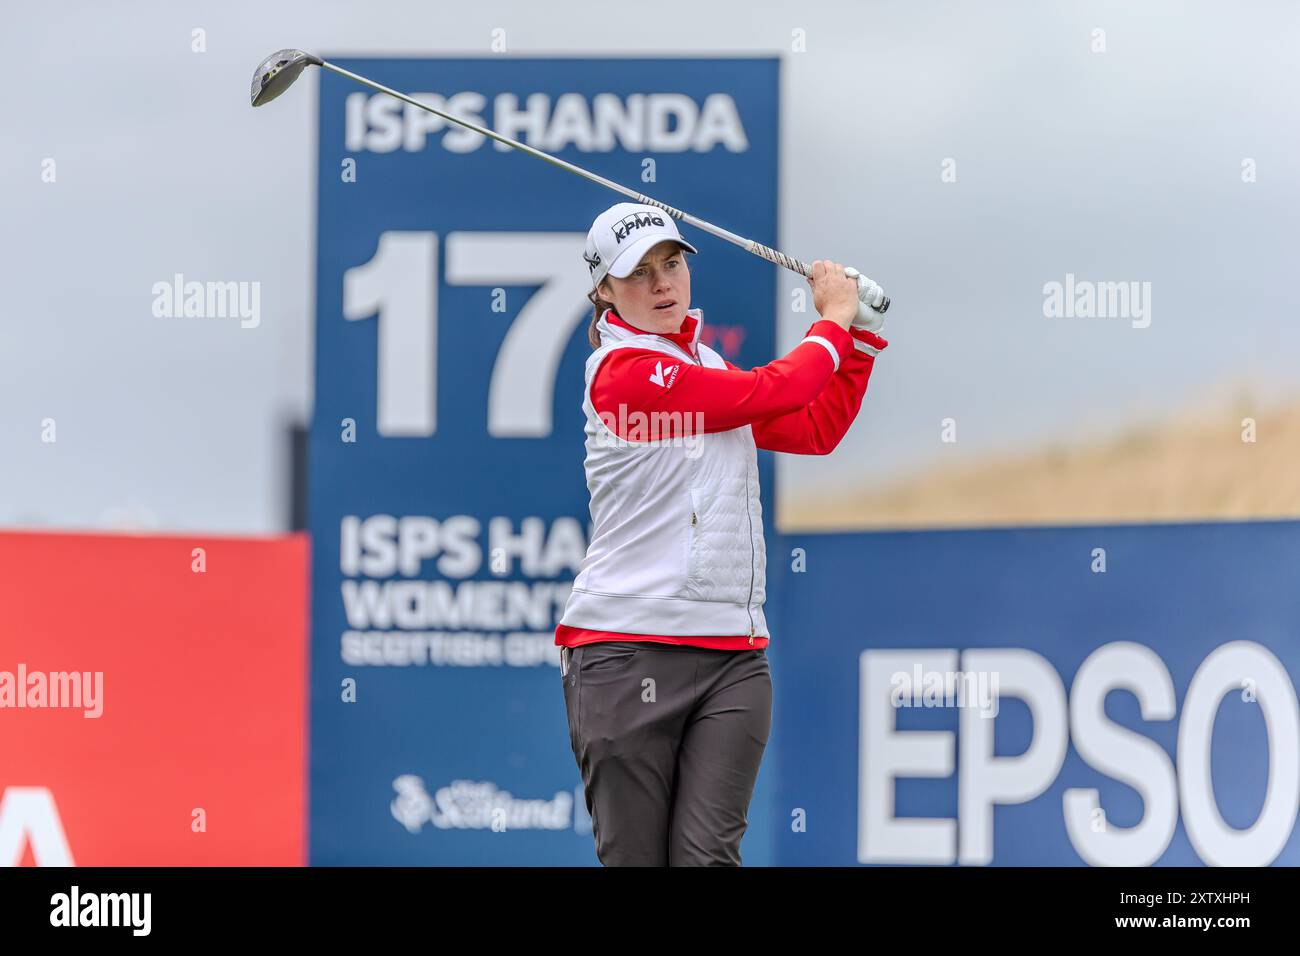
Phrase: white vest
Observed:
(677, 539)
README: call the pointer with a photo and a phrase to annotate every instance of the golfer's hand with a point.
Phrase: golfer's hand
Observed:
(835, 295)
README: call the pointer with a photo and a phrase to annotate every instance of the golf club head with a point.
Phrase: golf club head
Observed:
(277, 72)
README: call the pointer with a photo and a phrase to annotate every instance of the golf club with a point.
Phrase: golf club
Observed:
(278, 71)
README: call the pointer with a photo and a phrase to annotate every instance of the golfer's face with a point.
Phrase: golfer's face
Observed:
(657, 293)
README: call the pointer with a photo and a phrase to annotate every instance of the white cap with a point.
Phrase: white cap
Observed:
(622, 234)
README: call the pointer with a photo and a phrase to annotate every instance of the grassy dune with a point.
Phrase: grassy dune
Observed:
(1194, 468)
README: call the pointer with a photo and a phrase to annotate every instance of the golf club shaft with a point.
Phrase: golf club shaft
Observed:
(749, 245)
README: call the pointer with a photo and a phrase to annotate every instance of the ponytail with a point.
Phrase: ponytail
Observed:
(599, 306)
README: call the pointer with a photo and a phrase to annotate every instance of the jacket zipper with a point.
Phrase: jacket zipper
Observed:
(753, 629)
(749, 602)
(689, 357)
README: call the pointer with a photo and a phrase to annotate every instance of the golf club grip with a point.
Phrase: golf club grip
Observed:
(780, 258)
(776, 257)
(671, 210)
(796, 265)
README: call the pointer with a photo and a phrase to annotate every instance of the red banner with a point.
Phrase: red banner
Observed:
(153, 700)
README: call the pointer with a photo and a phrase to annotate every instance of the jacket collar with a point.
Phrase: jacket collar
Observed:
(613, 328)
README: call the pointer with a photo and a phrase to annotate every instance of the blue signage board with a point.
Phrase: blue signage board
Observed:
(1095, 695)
(447, 502)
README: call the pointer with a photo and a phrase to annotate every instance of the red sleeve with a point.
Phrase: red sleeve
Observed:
(647, 381)
(818, 427)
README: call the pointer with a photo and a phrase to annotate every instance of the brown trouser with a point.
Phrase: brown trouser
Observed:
(668, 739)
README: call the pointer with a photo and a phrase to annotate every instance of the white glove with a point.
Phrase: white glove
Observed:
(870, 295)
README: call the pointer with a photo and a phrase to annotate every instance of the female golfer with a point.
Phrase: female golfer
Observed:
(666, 681)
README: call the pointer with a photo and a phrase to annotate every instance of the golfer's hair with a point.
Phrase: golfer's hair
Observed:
(600, 305)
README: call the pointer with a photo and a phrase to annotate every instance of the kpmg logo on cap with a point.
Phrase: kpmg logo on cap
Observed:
(624, 227)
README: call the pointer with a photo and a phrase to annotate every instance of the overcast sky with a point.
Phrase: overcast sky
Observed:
(1122, 165)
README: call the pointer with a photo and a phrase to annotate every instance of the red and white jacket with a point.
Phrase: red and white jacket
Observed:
(677, 552)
